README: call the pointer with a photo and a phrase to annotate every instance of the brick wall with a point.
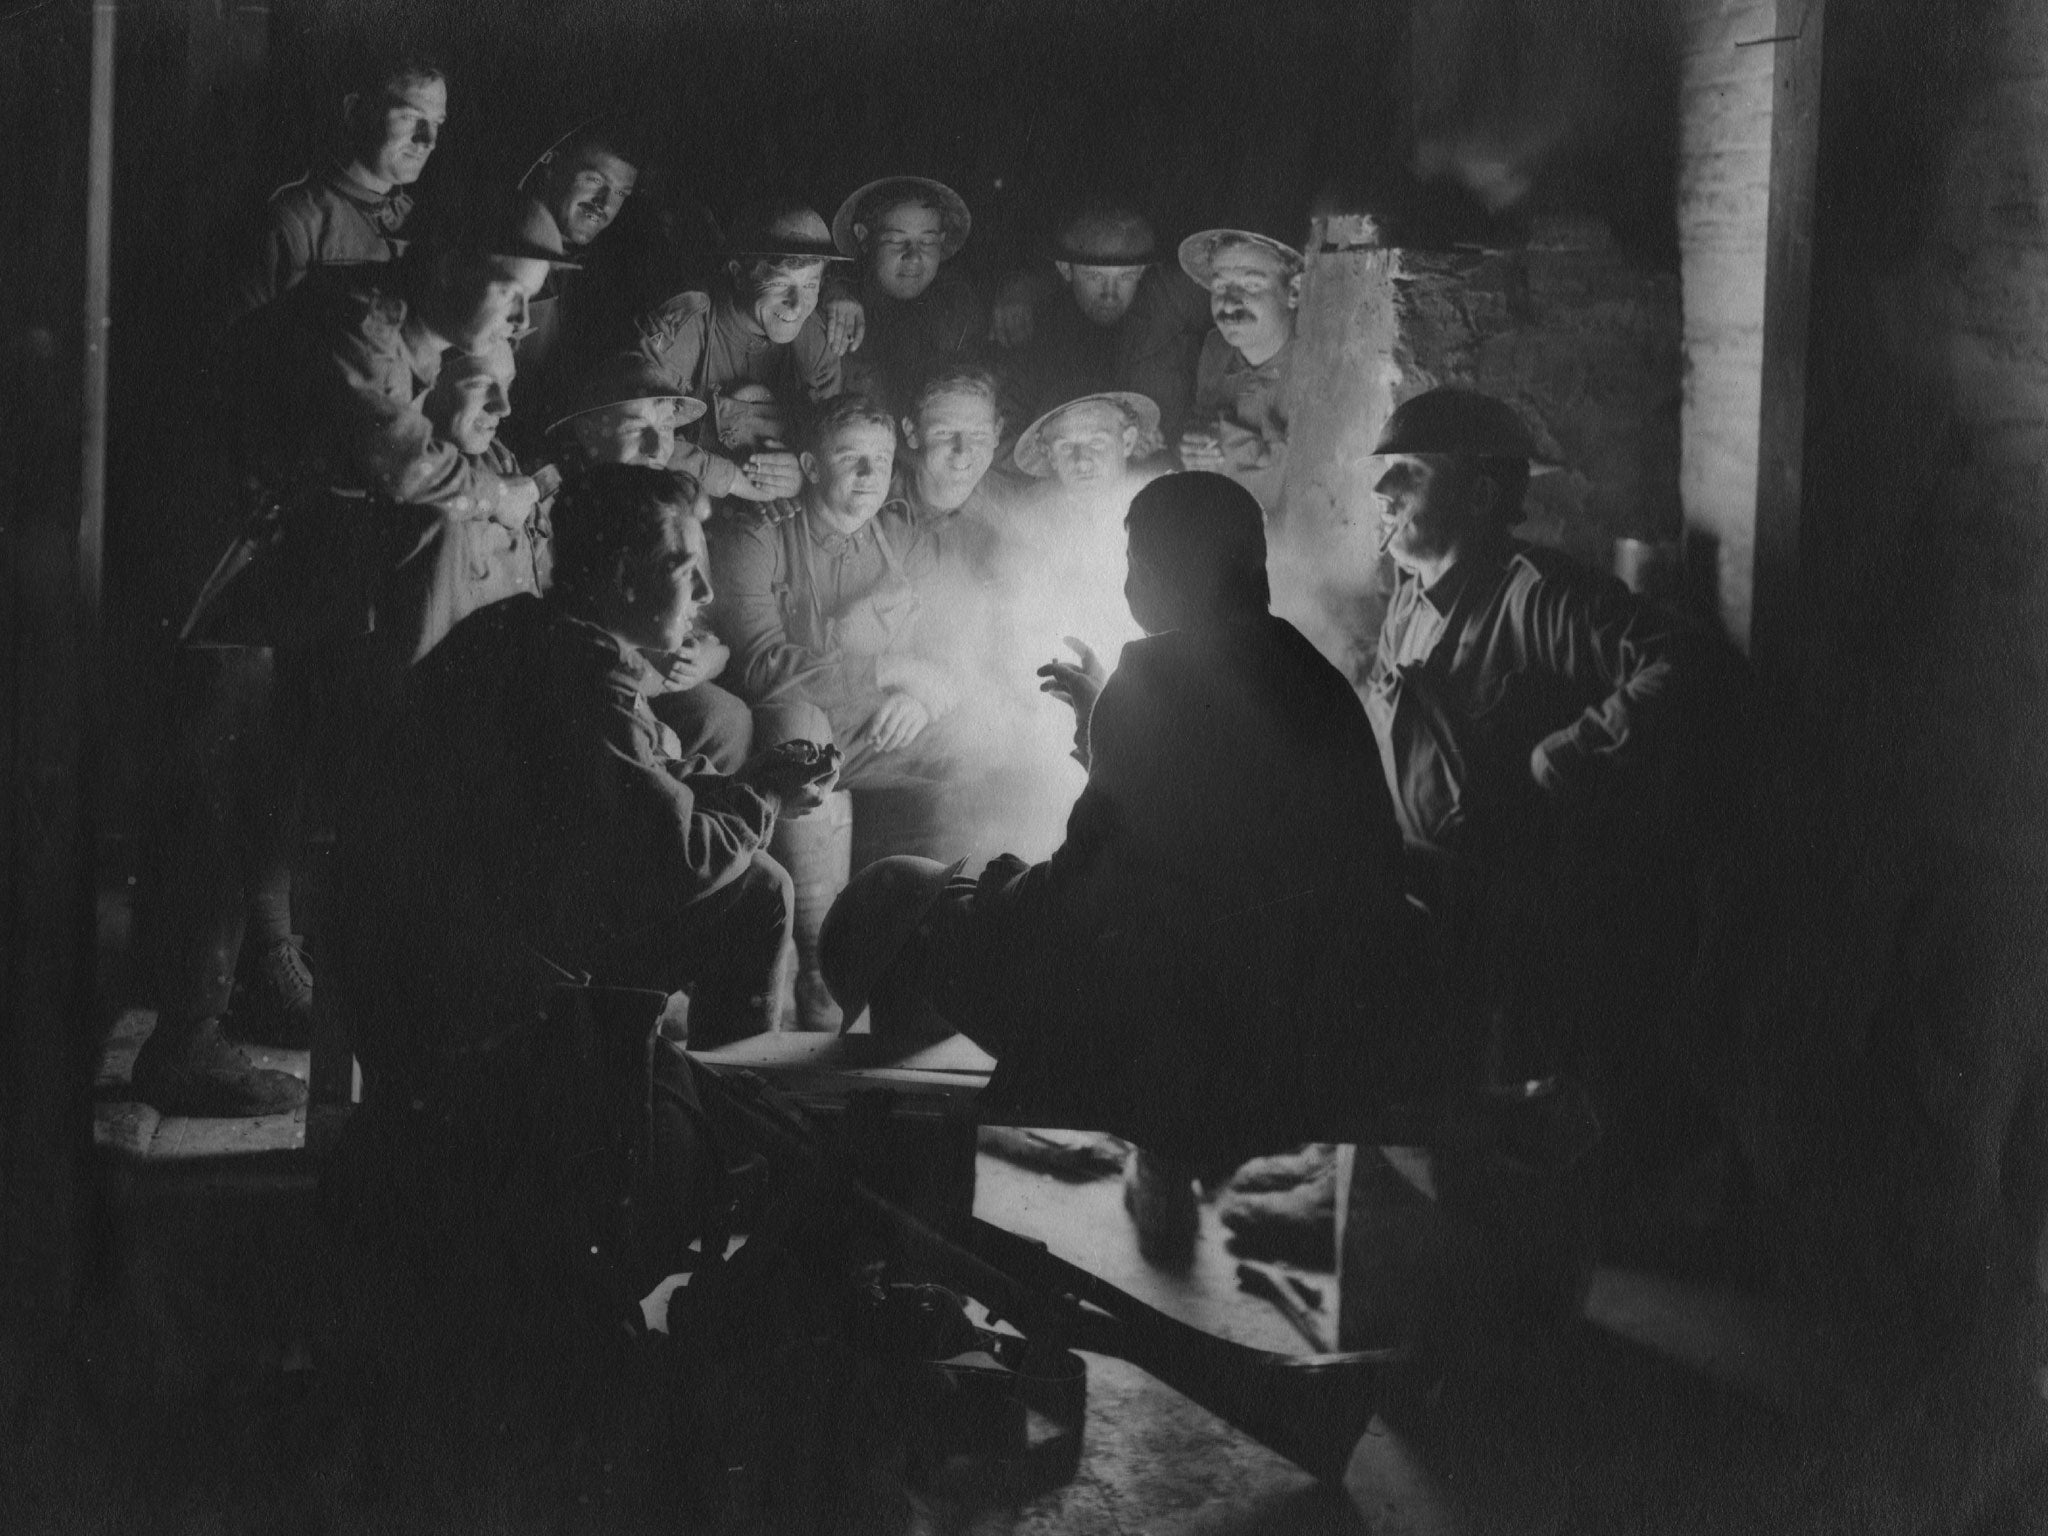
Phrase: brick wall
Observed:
(1724, 181)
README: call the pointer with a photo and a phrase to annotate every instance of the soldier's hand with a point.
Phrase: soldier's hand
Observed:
(1077, 686)
(1201, 450)
(769, 476)
(898, 722)
(517, 499)
(699, 659)
(846, 325)
(1010, 322)
(797, 775)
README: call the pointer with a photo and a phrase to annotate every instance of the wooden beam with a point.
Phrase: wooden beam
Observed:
(1788, 285)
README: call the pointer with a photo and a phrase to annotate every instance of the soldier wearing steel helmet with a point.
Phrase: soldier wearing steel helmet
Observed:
(1549, 738)
(922, 312)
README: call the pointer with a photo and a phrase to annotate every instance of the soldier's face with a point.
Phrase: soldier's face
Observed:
(470, 398)
(785, 300)
(1089, 444)
(1252, 298)
(1428, 505)
(662, 599)
(396, 134)
(492, 302)
(1103, 294)
(849, 472)
(953, 443)
(633, 432)
(585, 193)
(905, 248)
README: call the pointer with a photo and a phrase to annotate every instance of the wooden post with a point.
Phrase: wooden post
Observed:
(1788, 269)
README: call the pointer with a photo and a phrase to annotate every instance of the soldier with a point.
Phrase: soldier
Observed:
(1238, 426)
(1059, 562)
(1217, 952)
(624, 412)
(951, 429)
(821, 607)
(342, 580)
(482, 560)
(569, 198)
(356, 211)
(1114, 320)
(921, 312)
(526, 820)
(760, 327)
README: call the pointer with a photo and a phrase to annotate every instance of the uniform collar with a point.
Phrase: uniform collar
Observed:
(839, 543)
(387, 210)
(1278, 360)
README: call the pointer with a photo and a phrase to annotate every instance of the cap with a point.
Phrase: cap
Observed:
(786, 230)
(871, 921)
(956, 220)
(1030, 454)
(622, 377)
(1453, 419)
(1198, 252)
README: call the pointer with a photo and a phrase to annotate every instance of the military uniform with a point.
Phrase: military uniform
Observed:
(1216, 959)
(1247, 405)
(907, 339)
(317, 223)
(1528, 716)
(523, 821)
(376, 540)
(812, 618)
(704, 345)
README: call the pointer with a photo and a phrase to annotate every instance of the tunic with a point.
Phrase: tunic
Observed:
(1218, 953)
(1517, 671)
(1247, 407)
(705, 345)
(524, 771)
(329, 220)
(808, 614)
(363, 491)
(908, 339)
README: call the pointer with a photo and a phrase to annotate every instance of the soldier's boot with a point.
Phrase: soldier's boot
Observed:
(275, 1003)
(188, 1067)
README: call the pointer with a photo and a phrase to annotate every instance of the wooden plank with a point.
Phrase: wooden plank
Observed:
(137, 1132)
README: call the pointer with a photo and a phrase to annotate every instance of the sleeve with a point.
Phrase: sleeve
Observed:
(671, 839)
(279, 260)
(392, 446)
(1596, 633)
(747, 615)
(671, 337)
(1122, 736)
(710, 470)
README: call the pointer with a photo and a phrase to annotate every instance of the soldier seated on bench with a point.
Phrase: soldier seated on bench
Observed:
(524, 818)
(1218, 960)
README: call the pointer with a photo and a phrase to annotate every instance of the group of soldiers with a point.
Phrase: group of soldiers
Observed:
(572, 572)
